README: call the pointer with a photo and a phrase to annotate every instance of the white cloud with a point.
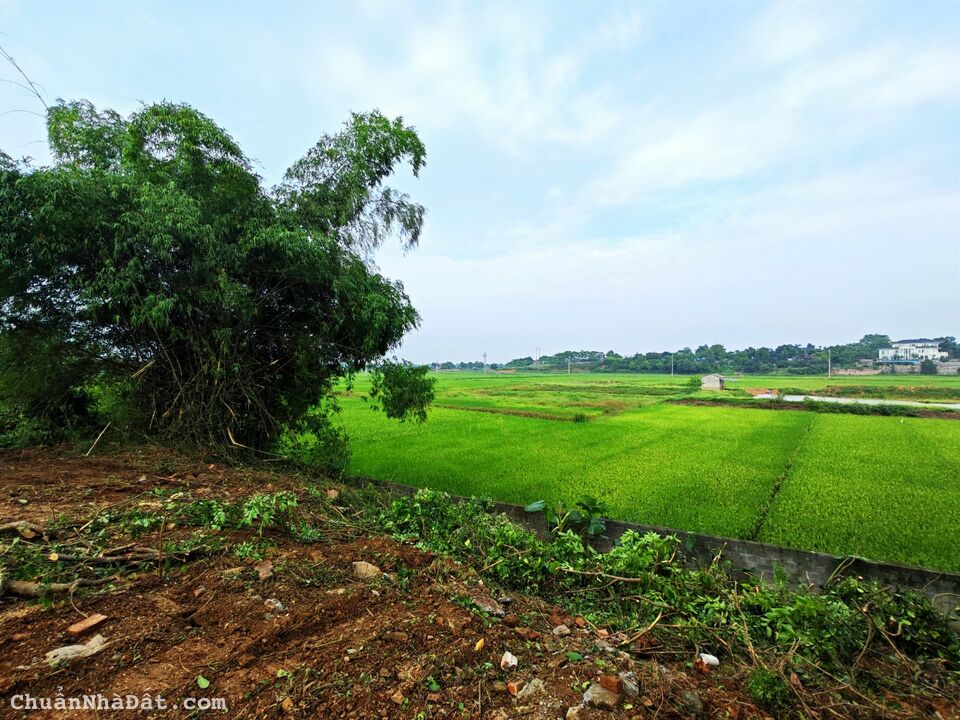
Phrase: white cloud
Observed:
(789, 29)
(826, 258)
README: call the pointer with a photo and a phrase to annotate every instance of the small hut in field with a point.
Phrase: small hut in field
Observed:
(711, 382)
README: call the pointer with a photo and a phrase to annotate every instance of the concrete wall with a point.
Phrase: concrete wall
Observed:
(950, 367)
(763, 561)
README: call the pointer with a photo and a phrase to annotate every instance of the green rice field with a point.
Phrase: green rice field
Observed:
(886, 488)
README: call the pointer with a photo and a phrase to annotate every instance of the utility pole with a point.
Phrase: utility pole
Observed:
(829, 362)
(568, 364)
(484, 360)
(671, 364)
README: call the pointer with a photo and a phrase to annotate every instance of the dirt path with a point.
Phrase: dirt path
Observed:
(859, 401)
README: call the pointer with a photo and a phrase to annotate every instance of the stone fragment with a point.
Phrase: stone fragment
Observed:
(599, 697)
(508, 661)
(74, 652)
(531, 690)
(691, 702)
(365, 570)
(487, 604)
(264, 569)
(631, 686)
(612, 683)
(561, 630)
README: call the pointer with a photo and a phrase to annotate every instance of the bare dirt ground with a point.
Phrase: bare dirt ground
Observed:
(303, 636)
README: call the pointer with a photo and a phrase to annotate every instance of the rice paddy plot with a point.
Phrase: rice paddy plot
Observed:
(880, 487)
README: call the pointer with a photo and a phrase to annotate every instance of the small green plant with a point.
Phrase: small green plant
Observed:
(768, 689)
(266, 511)
(250, 549)
(584, 518)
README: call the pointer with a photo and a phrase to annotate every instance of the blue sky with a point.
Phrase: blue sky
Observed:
(624, 176)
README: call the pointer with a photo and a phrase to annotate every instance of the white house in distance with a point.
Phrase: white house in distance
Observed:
(712, 382)
(913, 350)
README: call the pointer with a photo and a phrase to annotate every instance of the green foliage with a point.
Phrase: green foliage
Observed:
(928, 367)
(584, 518)
(402, 390)
(768, 688)
(263, 511)
(337, 187)
(644, 574)
(318, 440)
(149, 255)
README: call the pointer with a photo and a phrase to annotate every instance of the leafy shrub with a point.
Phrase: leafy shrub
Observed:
(768, 689)
(148, 254)
(829, 629)
(584, 518)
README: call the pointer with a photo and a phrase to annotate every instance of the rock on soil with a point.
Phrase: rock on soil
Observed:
(75, 652)
(631, 687)
(365, 570)
(599, 697)
(531, 689)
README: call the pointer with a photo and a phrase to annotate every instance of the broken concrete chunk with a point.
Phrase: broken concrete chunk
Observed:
(508, 661)
(274, 604)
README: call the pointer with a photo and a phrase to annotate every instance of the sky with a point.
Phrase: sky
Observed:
(602, 175)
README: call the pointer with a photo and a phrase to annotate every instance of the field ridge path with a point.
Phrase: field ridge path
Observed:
(781, 479)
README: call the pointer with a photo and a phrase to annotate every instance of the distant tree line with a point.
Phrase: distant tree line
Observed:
(806, 359)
